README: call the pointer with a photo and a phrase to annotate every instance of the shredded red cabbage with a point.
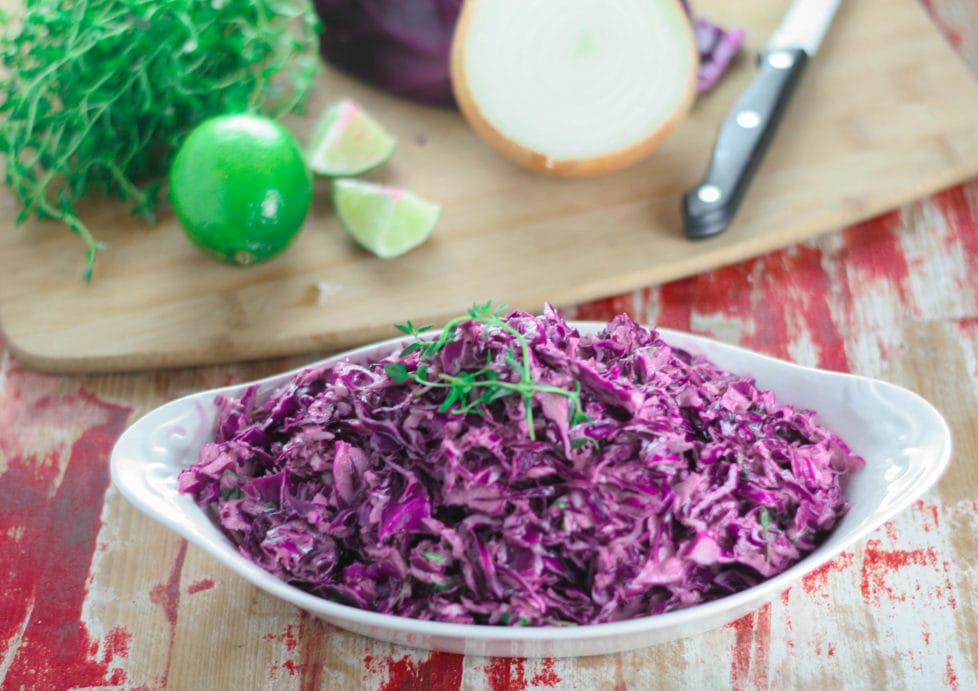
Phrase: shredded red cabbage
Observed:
(683, 484)
(717, 46)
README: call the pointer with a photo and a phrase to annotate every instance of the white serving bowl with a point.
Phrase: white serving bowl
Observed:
(904, 439)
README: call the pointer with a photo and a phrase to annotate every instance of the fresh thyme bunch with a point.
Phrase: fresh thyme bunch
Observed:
(99, 94)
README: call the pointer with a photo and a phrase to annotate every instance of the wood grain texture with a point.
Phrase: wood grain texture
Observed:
(885, 115)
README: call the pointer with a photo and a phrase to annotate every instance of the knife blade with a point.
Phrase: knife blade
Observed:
(747, 129)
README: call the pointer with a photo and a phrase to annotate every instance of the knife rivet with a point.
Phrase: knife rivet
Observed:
(780, 60)
(708, 194)
(748, 119)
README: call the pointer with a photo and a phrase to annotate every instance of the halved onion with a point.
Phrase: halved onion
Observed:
(574, 87)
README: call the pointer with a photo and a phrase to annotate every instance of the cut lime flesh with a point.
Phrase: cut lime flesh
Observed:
(386, 221)
(349, 141)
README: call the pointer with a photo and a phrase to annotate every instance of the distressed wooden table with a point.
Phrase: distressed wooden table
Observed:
(94, 594)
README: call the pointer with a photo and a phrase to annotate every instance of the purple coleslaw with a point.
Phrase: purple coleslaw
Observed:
(650, 480)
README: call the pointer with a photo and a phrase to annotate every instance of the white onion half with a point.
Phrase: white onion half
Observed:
(574, 87)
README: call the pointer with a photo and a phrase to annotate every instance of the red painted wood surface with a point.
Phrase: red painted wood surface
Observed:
(93, 594)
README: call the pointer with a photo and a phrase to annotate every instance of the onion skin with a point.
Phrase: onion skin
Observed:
(540, 161)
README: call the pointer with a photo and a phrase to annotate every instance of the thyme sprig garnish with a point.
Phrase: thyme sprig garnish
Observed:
(469, 391)
(764, 518)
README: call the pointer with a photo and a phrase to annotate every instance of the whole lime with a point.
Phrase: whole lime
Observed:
(240, 187)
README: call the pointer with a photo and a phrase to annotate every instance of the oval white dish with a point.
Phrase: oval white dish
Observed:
(904, 439)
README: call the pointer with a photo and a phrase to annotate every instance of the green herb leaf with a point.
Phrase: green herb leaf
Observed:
(765, 520)
(453, 395)
(231, 493)
(397, 371)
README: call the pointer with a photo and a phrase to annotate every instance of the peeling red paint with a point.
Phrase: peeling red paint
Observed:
(761, 664)
(950, 676)
(676, 301)
(54, 499)
(117, 642)
(546, 677)
(287, 637)
(878, 563)
(961, 218)
(959, 243)
(619, 679)
(931, 514)
(967, 327)
(606, 308)
(314, 636)
(506, 674)
(200, 586)
(445, 670)
(891, 531)
(947, 592)
(873, 248)
(436, 672)
(796, 277)
(167, 596)
(751, 651)
(400, 674)
(787, 637)
(816, 581)
(289, 666)
(754, 293)
(741, 653)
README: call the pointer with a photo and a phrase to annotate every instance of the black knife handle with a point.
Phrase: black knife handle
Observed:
(743, 137)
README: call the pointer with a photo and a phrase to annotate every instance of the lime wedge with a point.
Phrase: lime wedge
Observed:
(348, 141)
(387, 221)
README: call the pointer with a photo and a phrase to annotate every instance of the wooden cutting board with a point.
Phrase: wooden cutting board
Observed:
(886, 113)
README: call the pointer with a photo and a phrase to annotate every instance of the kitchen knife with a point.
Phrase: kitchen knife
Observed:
(747, 129)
